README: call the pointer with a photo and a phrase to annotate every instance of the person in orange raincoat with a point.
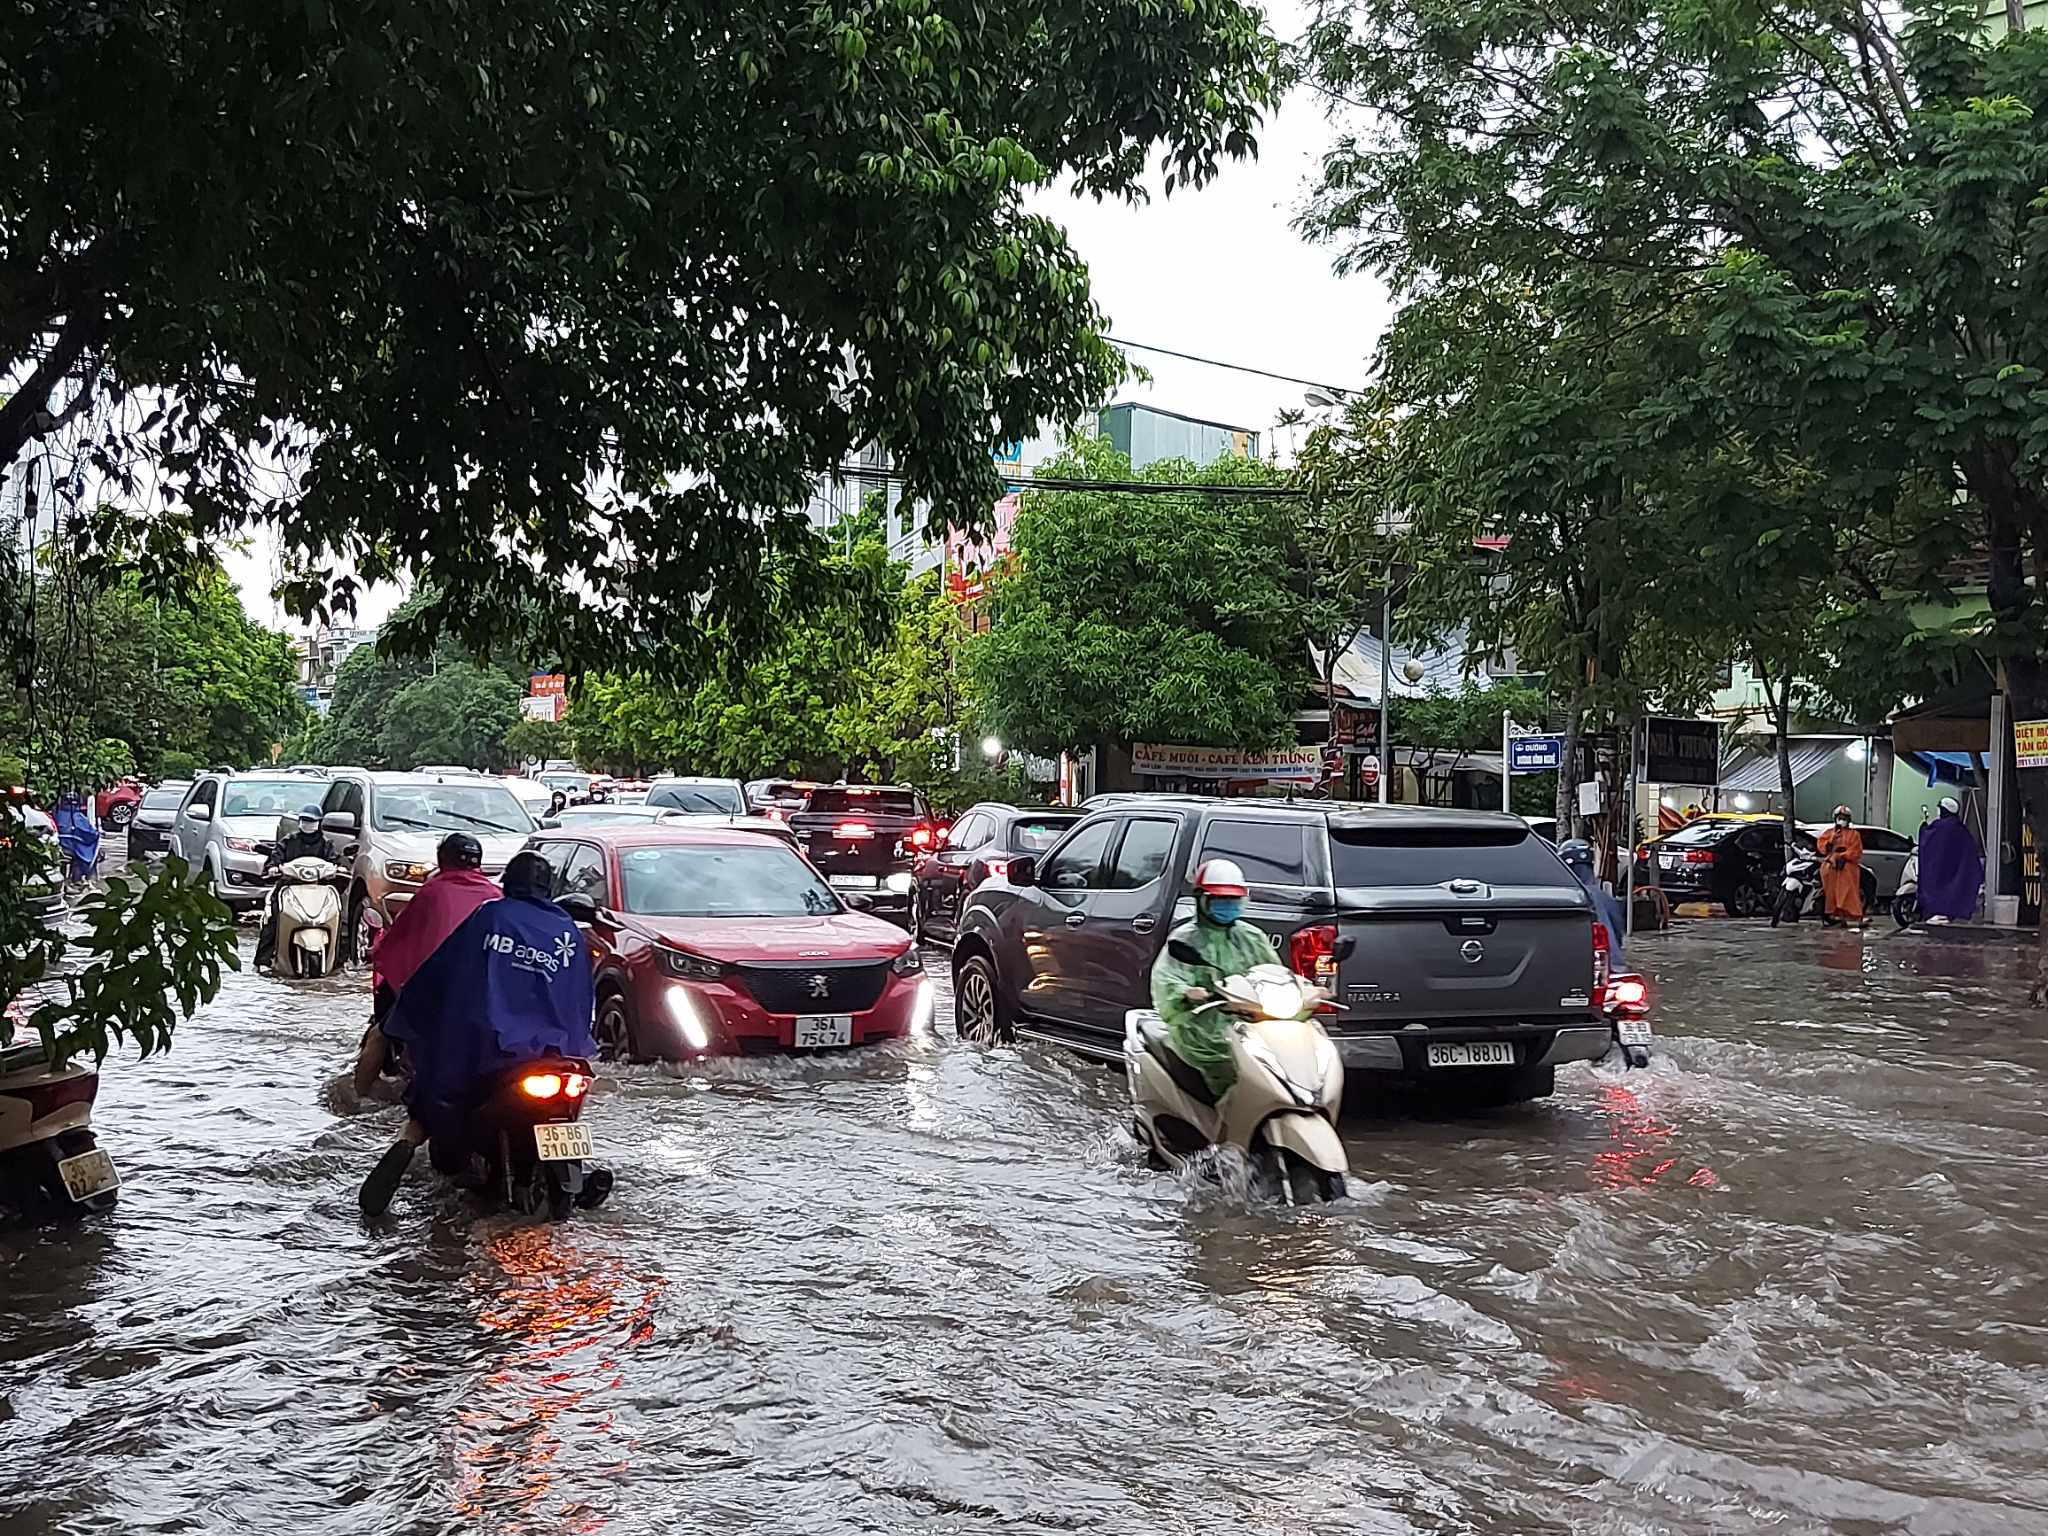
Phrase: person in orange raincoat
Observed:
(1841, 871)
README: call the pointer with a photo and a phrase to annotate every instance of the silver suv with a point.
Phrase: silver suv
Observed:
(385, 827)
(227, 823)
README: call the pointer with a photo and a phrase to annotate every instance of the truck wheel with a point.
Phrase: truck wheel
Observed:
(978, 1009)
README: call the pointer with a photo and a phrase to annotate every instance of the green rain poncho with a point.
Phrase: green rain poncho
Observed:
(1202, 1040)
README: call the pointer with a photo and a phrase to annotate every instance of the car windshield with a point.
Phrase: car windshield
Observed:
(450, 808)
(838, 799)
(601, 816)
(571, 783)
(260, 797)
(758, 880)
(1369, 856)
(700, 799)
(164, 799)
(1038, 833)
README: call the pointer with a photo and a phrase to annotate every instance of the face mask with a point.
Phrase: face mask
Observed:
(309, 826)
(1225, 910)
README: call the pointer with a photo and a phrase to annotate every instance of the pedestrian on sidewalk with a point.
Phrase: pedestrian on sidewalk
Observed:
(1951, 867)
(1841, 872)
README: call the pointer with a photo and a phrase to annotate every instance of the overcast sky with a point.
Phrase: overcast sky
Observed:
(1219, 272)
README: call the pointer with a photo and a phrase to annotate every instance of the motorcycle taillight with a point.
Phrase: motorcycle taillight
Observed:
(1312, 953)
(541, 1085)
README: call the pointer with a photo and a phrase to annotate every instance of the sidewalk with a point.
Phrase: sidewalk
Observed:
(1967, 933)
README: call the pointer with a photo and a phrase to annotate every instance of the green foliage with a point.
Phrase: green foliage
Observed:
(120, 678)
(1468, 720)
(179, 765)
(536, 741)
(13, 772)
(460, 714)
(656, 265)
(1143, 618)
(857, 687)
(154, 950)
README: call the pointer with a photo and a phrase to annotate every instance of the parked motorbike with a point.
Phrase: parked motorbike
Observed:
(1906, 901)
(1627, 1007)
(51, 1168)
(1798, 890)
(526, 1127)
(1282, 1111)
(308, 910)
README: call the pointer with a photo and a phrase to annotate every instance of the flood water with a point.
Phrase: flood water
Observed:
(1786, 1280)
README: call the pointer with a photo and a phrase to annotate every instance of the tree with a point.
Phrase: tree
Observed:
(480, 290)
(537, 741)
(1466, 721)
(460, 714)
(1133, 618)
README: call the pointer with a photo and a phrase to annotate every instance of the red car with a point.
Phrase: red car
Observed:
(715, 940)
(117, 804)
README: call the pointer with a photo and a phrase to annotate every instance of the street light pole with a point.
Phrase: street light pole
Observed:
(1386, 681)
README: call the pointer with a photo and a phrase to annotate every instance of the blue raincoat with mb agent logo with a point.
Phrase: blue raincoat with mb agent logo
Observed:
(511, 985)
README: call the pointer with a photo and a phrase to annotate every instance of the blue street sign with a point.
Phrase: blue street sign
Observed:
(1535, 754)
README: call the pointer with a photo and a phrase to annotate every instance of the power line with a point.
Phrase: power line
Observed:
(1211, 362)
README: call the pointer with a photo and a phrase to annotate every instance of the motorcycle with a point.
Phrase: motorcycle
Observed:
(1906, 900)
(1282, 1111)
(308, 913)
(51, 1168)
(1798, 890)
(1627, 1006)
(526, 1129)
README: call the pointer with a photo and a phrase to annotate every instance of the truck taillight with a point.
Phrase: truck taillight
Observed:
(1698, 856)
(924, 836)
(1312, 953)
(1601, 961)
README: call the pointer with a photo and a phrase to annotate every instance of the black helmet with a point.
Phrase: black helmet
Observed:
(459, 850)
(1576, 851)
(529, 875)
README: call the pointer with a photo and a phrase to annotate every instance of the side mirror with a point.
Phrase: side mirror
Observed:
(340, 823)
(1184, 952)
(579, 906)
(1023, 872)
(200, 813)
(551, 821)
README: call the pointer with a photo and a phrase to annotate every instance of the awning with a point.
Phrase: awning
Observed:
(1757, 772)
(1958, 721)
(1448, 760)
(1944, 767)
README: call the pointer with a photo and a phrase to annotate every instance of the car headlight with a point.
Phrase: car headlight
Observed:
(691, 967)
(413, 873)
(242, 844)
(909, 963)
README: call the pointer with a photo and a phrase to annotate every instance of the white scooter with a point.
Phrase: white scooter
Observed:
(1282, 1111)
(1906, 900)
(308, 919)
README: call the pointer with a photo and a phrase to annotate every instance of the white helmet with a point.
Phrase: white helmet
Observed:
(1221, 877)
(1948, 804)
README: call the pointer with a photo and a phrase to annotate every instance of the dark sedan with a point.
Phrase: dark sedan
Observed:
(149, 834)
(1736, 862)
(980, 844)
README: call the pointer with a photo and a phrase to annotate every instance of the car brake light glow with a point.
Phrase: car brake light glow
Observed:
(541, 1085)
(1699, 857)
(1601, 960)
(923, 837)
(1312, 953)
(853, 829)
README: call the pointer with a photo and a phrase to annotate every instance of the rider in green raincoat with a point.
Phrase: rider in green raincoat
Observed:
(1229, 947)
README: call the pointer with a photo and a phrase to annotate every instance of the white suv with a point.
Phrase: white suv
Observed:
(228, 822)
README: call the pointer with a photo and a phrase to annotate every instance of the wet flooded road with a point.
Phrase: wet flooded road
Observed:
(1787, 1279)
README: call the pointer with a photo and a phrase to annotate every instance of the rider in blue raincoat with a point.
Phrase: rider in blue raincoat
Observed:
(78, 837)
(1577, 854)
(511, 984)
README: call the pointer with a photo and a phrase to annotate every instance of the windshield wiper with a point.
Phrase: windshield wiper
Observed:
(393, 819)
(478, 821)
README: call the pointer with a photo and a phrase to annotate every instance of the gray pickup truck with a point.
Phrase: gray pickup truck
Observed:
(1462, 950)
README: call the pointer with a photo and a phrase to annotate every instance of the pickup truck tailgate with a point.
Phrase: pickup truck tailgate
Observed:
(1502, 933)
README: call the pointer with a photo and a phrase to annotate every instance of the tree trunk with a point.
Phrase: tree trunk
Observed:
(1568, 775)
